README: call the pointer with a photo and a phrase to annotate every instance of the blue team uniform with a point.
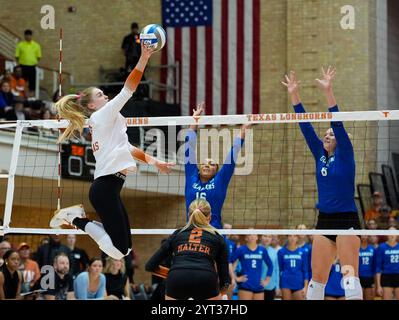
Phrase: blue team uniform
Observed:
(307, 248)
(231, 246)
(215, 190)
(367, 262)
(387, 259)
(251, 266)
(334, 287)
(335, 175)
(293, 268)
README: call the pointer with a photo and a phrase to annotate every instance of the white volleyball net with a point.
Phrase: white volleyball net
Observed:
(273, 188)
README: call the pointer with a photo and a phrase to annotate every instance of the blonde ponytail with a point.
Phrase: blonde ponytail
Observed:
(73, 107)
(199, 212)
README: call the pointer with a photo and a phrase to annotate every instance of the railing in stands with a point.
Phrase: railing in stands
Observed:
(8, 41)
(46, 77)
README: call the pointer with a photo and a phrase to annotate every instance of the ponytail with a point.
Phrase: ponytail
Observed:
(199, 212)
(73, 108)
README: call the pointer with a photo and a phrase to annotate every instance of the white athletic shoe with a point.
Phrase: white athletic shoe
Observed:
(65, 216)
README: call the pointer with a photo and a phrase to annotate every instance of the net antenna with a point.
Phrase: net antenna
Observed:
(59, 130)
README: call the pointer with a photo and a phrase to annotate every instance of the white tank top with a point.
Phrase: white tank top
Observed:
(110, 143)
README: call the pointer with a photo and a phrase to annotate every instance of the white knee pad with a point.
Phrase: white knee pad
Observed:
(106, 245)
(353, 288)
(315, 291)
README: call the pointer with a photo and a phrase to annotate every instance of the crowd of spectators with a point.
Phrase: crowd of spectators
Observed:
(58, 271)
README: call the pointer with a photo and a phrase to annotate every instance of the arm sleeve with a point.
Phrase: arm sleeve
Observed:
(235, 255)
(343, 141)
(222, 264)
(229, 164)
(124, 43)
(305, 266)
(162, 254)
(108, 113)
(17, 51)
(314, 143)
(277, 271)
(268, 262)
(378, 264)
(280, 260)
(190, 161)
(374, 262)
(80, 286)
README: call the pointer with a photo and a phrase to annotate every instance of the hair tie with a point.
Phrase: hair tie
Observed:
(200, 210)
(80, 95)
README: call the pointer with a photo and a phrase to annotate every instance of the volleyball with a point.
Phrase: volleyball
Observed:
(153, 36)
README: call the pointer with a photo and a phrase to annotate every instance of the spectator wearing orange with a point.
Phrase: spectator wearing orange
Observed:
(373, 212)
(18, 83)
(28, 267)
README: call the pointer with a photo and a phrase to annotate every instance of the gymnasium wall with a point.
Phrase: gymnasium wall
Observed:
(301, 35)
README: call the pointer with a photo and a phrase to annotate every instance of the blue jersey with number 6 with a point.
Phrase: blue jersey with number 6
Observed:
(214, 191)
(251, 266)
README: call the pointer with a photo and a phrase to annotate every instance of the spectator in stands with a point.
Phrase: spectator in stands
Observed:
(387, 268)
(43, 241)
(373, 212)
(6, 76)
(275, 242)
(130, 262)
(90, 285)
(117, 282)
(10, 277)
(1, 237)
(18, 111)
(384, 217)
(18, 83)
(78, 257)
(6, 99)
(392, 222)
(4, 247)
(28, 53)
(272, 290)
(29, 268)
(372, 224)
(47, 252)
(63, 282)
(158, 282)
(131, 47)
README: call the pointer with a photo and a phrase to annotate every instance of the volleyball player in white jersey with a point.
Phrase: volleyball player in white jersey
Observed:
(114, 158)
